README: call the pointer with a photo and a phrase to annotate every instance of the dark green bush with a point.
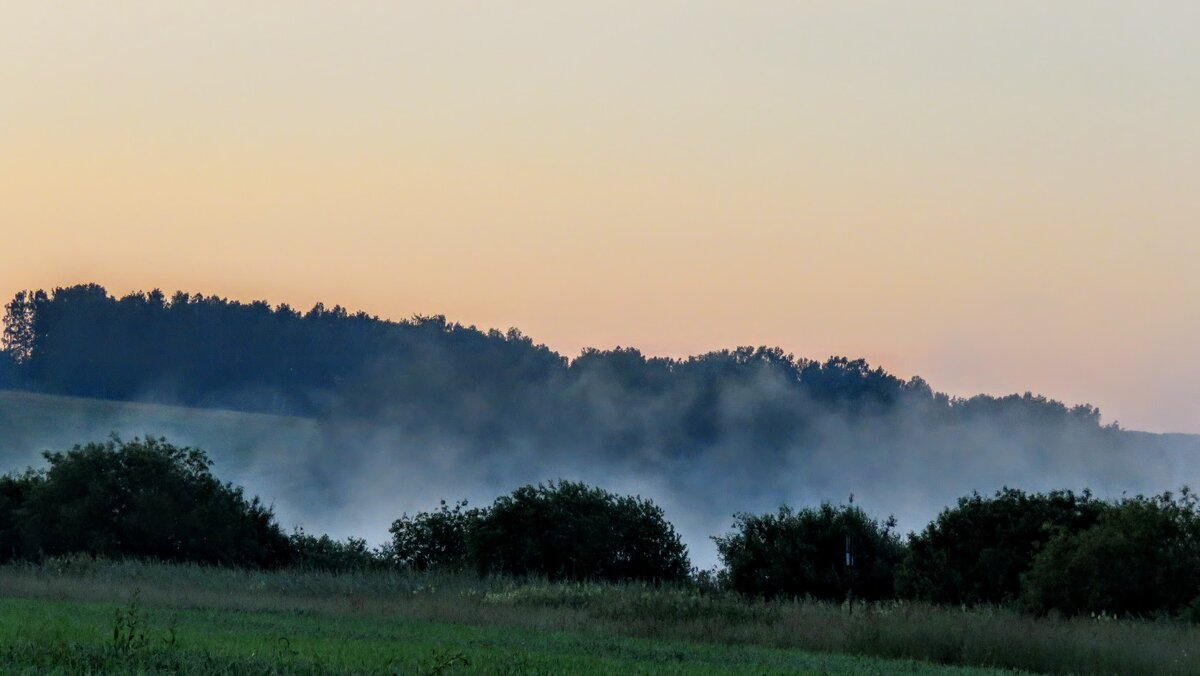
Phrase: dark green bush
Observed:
(977, 551)
(802, 553)
(572, 531)
(310, 552)
(434, 540)
(1141, 558)
(14, 491)
(144, 498)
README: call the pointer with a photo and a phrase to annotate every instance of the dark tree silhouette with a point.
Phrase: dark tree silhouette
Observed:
(142, 498)
(572, 531)
(977, 551)
(802, 554)
(1141, 558)
(434, 540)
(481, 386)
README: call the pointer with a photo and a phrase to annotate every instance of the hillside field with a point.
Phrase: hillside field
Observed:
(31, 423)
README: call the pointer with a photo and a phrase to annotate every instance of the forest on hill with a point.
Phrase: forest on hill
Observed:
(208, 351)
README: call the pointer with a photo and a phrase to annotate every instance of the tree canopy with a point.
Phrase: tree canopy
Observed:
(978, 550)
(426, 371)
(571, 531)
(144, 498)
(803, 553)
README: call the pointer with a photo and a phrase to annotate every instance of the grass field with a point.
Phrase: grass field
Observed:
(79, 616)
(71, 636)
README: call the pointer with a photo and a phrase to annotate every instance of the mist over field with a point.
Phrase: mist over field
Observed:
(349, 477)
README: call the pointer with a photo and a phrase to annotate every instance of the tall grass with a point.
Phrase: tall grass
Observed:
(987, 637)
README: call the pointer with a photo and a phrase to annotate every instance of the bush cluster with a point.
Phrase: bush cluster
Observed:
(141, 498)
(434, 540)
(324, 554)
(153, 500)
(1042, 552)
(560, 531)
(1141, 557)
(805, 553)
(572, 531)
(1061, 552)
(977, 551)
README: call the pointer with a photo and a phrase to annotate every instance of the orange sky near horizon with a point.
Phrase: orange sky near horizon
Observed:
(997, 196)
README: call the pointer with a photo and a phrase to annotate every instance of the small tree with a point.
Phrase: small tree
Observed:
(14, 492)
(434, 540)
(802, 553)
(1141, 558)
(310, 552)
(977, 551)
(146, 498)
(571, 531)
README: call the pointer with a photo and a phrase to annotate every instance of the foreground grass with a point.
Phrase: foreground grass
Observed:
(62, 617)
(73, 637)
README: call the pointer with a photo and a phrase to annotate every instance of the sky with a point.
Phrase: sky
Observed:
(997, 196)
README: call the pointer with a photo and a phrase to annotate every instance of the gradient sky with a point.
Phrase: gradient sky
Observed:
(998, 196)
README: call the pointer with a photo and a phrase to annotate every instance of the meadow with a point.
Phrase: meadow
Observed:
(78, 615)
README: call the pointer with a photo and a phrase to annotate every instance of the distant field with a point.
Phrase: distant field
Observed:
(31, 423)
(62, 617)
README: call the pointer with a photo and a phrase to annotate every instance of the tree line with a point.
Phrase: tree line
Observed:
(428, 372)
(1044, 552)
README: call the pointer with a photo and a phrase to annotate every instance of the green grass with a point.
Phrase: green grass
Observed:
(44, 636)
(61, 616)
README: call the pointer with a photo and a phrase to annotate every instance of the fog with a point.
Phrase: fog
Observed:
(353, 477)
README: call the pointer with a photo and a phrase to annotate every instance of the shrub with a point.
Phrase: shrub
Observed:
(14, 491)
(572, 531)
(434, 540)
(977, 551)
(309, 552)
(145, 498)
(793, 554)
(1141, 558)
